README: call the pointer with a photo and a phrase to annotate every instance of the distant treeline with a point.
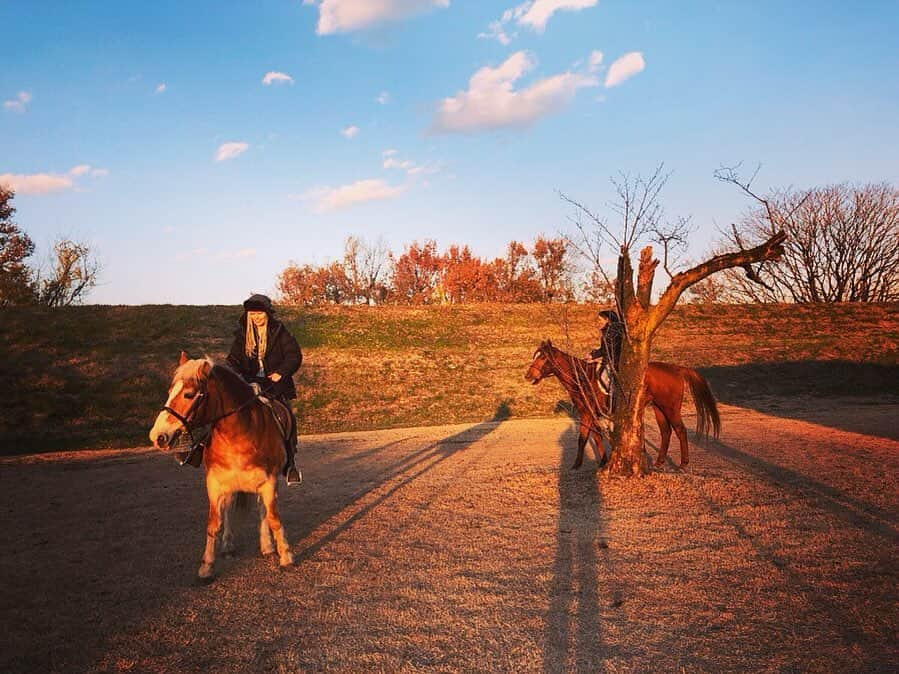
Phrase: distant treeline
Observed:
(421, 274)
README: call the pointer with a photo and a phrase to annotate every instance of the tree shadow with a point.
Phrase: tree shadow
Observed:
(572, 632)
(790, 390)
(64, 609)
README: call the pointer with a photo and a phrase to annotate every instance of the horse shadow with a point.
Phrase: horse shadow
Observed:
(573, 639)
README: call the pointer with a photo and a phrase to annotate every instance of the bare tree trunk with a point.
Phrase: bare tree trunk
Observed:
(642, 319)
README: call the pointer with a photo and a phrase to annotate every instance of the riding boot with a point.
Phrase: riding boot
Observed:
(291, 473)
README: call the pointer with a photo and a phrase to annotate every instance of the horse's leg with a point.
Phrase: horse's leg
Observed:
(213, 524)
(665, 432)
(266, 547)
(227, 533)
(681, 429)
(269, 494)
(598, 448)
(583, 432)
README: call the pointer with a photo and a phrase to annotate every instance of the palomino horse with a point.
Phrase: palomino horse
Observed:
(244, 454)
(664, 388)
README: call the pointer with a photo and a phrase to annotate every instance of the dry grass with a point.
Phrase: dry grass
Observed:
(470, 549)
(96, 376)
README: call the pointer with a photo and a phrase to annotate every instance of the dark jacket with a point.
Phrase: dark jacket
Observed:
(611, 339)
(282, 355)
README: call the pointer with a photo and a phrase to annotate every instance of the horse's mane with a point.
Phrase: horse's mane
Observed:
(231, 382)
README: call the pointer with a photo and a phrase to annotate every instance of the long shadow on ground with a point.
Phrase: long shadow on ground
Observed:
(111, 546)
(572, 632)
(789, 389)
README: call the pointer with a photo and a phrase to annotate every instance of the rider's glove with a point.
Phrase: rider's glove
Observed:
(257, 389)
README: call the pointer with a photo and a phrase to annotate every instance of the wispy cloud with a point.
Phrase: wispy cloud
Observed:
(325, 199)
(160, 88)
(37, 183)
(275, 77)
(343, 16)
(350, 132)
(595, 60)
(230, 151)
(534, 14)
(391, 161)
(45, 183)
(19, 103)
(496, 31)
(383, 98)
(491, 101)
(625, 67)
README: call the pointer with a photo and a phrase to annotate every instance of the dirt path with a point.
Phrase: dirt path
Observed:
(467, 548)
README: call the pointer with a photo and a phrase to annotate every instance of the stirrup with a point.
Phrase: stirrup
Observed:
(293, 480)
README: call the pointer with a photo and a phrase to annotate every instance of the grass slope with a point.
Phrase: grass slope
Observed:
(96, 376)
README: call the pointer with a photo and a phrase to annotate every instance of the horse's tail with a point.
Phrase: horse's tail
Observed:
(707, 418)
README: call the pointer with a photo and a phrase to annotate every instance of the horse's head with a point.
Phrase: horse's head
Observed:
(185, 404)
(541, 365)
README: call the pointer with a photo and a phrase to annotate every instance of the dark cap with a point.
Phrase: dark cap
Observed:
(258, 302)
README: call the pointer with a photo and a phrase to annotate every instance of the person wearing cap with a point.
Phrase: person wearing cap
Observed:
(266, 355)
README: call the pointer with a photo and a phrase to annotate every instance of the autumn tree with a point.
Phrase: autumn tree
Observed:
(417, 273)
(519, 282)
(640, 213)
(16, 278)
(72, 274)
(553, 268)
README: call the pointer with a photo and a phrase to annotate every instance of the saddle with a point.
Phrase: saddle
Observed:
(280, 413)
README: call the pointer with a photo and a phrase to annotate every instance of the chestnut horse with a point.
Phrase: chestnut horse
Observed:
(245, 452)
(664, 391)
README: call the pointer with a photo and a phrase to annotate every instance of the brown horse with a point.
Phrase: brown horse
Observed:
(664, 391)
(245, 452)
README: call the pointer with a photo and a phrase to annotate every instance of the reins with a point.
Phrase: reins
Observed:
(186, 420)
(574, 383)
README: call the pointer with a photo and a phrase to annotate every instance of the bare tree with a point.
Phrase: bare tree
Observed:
(73, 273)
(843, 245)
(640, 215)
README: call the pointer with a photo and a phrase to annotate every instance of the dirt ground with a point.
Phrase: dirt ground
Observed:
(475, 548)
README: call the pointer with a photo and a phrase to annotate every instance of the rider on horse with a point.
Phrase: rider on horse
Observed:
(266, 355)
(611, 338)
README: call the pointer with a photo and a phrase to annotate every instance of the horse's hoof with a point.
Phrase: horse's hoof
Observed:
(267, 552)
(684, 464)
(205, 580)
(658, 464)
(576, 466)
(286, 562)
(229, 554)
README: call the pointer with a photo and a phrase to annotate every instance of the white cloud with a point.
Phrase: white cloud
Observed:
(80, 170)
(38, 183)
(160, 88)
(350, 132)
(496, 31)
(241, 254)
(230, 151)
(627, 66)
(492, 102)
(383, 98)
(275, 77)
(19, 103)
(342, 16)
(532, 13)
(595, 60)
(390, 161)
(536, 14)
(326, 199)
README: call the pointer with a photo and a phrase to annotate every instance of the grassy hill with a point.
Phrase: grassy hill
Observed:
(96, 376)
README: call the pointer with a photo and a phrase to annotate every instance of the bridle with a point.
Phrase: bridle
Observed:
(188, 419)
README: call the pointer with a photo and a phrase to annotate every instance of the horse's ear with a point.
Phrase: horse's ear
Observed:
(203, 372)
(549, 342)
(184, 359)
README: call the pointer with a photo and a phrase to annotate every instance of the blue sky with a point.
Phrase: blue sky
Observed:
(414, 119)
